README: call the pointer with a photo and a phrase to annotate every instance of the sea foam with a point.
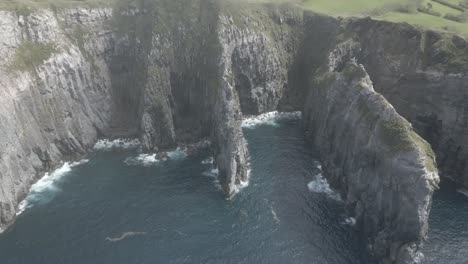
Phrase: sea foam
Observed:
(463, 191)
(236, 188)
(270, 119)
(213, 173)
(177, 154)
(44, 190)
(107, 145)
(208, 161)
(142, 159)
(321, 185)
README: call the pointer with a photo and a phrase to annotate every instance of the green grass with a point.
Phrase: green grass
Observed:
(21, 5)
(30, 55)
(399, 136)
(352, 7)
(394, 11)
(426, 21)
(388, 10)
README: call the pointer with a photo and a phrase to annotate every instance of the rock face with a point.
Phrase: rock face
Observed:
(423, 75)
(175, 72)
(136, 71)
(386, 172)
(54, 99)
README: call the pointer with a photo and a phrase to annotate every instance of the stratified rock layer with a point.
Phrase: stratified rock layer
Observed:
(175, 72)
(53, 106)
(385, 171)
(423, 75)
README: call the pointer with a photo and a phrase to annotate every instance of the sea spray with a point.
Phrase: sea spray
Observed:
(125, 236)
(177, 154)
(208, 161)
(270, 119)
(321, 185)
(142, 159)
(463, 191)
(213, 173)
(146, 159)
(44, 190)
(108, 145)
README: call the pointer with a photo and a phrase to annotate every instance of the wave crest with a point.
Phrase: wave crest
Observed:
(270, 119)
(120, 143)
(142, 159)
(321, 185)
(43, 191)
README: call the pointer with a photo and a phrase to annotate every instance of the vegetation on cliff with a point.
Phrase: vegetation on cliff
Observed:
(30, 54)
(444, 15)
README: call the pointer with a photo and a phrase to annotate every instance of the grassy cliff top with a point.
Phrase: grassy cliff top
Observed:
(15, 5)
(440, 15)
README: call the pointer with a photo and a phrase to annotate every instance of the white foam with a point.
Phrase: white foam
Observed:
(106, 144)
(236, 188)
(463, 191)
(142, 159)
(208, 161)
(320, 185)
(177, 154)
(152, 159)
(275, 216)
(43, 190)
(351, 221)
(270, 119)
(78, 163)
(213, 174)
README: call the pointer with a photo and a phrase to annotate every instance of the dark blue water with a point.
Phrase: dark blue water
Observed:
(177, 214)
(448, 236)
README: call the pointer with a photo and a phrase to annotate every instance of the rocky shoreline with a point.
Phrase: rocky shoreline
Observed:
(132, 71)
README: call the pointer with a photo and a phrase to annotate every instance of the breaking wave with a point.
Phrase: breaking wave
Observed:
(463, 191)
(321, 185)
(208, 161)
(177, 154)
(107, 145)
(156, 158)
(142, 159)
(237, 187)
(270, 119)
(350, 221)
(125, 236)
(213, 173)
(45, 189)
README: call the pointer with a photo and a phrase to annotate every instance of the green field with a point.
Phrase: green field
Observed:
(398, 11)
(424, 13)
(16, 5)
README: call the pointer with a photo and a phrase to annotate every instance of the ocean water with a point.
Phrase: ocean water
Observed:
(448, 235)
(121, 207)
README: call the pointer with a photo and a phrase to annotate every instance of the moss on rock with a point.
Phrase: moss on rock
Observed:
(30, 55)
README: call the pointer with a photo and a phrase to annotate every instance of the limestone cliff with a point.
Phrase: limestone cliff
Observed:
(166, 72)
(385, 171)
(176, 72)
(423, 75)
(55, 94)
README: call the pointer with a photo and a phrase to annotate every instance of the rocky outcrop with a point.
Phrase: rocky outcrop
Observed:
(74, 75)
(137, 70)
(423, 75)
(55, 94)
(385, 171)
